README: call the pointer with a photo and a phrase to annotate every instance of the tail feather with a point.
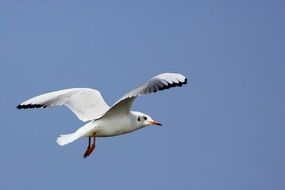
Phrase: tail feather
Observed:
(81, 132)
(66, 139)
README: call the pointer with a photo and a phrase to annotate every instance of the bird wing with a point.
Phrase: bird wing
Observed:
(86, 103)
(157, 83)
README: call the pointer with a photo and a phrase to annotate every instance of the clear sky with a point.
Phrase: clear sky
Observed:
(224, 130)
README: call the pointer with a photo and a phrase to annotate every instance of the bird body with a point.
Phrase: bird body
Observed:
(102, 120)
(116, 125)
(104, 128)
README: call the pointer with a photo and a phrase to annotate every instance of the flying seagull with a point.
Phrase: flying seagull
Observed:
(102, 120)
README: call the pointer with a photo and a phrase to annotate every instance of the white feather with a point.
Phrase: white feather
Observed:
(86, 103)
(65, 139)
(83, 131)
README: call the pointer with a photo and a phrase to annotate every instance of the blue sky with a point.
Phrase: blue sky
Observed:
(224, 130)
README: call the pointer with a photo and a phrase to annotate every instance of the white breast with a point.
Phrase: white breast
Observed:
(115, 126)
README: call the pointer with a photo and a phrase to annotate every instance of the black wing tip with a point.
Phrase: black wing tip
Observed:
(179, 84)
(27, 106)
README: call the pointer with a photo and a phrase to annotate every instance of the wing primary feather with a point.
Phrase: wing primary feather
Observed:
(27, 106)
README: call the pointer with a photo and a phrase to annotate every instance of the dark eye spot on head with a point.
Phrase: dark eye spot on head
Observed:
(139, 119)
(144, 117)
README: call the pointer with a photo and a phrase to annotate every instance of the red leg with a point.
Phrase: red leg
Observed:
(94, 142)
(90, 149)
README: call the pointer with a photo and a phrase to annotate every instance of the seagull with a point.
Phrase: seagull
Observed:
(102, 120)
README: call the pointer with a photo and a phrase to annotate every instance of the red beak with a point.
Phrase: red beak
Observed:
(155, 123)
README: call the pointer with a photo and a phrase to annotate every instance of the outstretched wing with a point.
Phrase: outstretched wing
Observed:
(157, 83)
(86, 103)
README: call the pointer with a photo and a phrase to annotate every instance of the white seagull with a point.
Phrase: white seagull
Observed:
(103, 120)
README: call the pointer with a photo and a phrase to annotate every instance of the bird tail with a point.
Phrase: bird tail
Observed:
(69, 138)
(66, 139)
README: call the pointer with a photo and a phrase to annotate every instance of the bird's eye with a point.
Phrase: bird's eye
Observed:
(139, 119)
(144, 117)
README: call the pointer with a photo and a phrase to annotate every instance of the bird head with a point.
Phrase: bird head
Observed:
(145, 120)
